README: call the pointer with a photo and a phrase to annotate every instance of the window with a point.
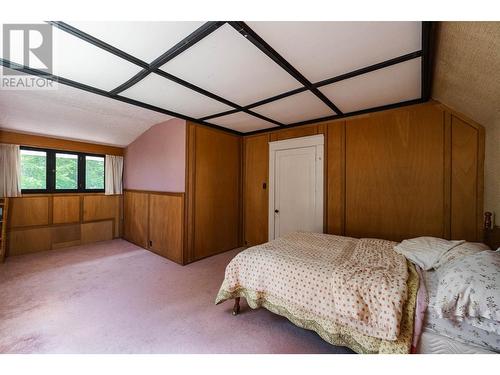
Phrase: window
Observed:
(94, 172)
(33, 170)
(66, 171)
(51, 171)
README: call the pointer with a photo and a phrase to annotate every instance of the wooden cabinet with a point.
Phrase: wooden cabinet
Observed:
(255, 189)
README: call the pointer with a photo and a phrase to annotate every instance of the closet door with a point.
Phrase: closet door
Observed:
(296, 186)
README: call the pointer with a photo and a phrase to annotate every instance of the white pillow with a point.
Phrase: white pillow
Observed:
(425, 251)
(469, 289)
(467, 248)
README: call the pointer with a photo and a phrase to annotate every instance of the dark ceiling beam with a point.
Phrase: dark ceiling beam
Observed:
(345, 115)
(367, 69)
(94, 90)
(193, 38)
(247, 32)
(186, 43)
(98, 43)
(426, 72)
(261, 44)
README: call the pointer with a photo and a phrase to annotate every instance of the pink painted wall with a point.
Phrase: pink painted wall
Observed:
(156, 160)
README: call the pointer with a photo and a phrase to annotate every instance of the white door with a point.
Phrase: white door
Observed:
(296, 186)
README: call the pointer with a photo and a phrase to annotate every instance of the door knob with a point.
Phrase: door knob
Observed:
(276, 211)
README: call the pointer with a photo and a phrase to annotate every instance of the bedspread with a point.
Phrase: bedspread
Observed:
(358, 293)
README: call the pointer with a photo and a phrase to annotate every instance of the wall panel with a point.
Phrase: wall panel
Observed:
(97, 231)
(51, 221)
(166, 217)
(29, 211)
(214, 162)
(400, 173)
(300, 131)
(464, 170)
(395, 174)
(25, 241)
(57, 143)
(255, 194)
(335, 171)
(135, 212)
(101, 207)
(66, 209)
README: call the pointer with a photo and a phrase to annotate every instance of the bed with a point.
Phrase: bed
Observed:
(297, 276)
(357, 293)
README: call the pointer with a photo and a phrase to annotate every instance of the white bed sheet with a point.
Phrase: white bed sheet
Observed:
(462, 332)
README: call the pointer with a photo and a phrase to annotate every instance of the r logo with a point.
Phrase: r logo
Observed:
(29, 45)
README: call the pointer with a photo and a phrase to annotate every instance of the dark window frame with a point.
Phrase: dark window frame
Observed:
(50, 185)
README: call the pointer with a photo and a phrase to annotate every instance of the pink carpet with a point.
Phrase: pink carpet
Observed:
(114, 297)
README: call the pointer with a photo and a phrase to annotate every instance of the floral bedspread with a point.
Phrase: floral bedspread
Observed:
(356, 293)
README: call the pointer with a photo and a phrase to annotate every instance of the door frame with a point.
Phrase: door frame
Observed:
(317, 141)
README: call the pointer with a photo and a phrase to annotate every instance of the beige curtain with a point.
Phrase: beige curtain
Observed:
(10, 170)
(114, 173)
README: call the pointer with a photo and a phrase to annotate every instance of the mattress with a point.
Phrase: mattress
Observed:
(433, 343)
(460, 332)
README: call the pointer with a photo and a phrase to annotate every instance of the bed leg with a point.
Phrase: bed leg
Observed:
(236, 307)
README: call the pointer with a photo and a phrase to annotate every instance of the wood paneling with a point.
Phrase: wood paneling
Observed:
(166, 219)
(57, 143)
(464, 172)
(58, 220)
(97, 231)
(66, 209)
(399, 173)
(255, 195)
(215, 179)
(29, 211)
(335, 181)
(394, 174)
(29, 240)
(65, 233)
(135, 212)
(101, 207)
(301, 131)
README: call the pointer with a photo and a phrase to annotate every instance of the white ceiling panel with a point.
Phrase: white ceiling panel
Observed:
(242, 122)
(230, 66)
(163, 93)
(83, 62)
(67, 112)
(390, 85)
(321, 50)
(144, 40)
(295, 108)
